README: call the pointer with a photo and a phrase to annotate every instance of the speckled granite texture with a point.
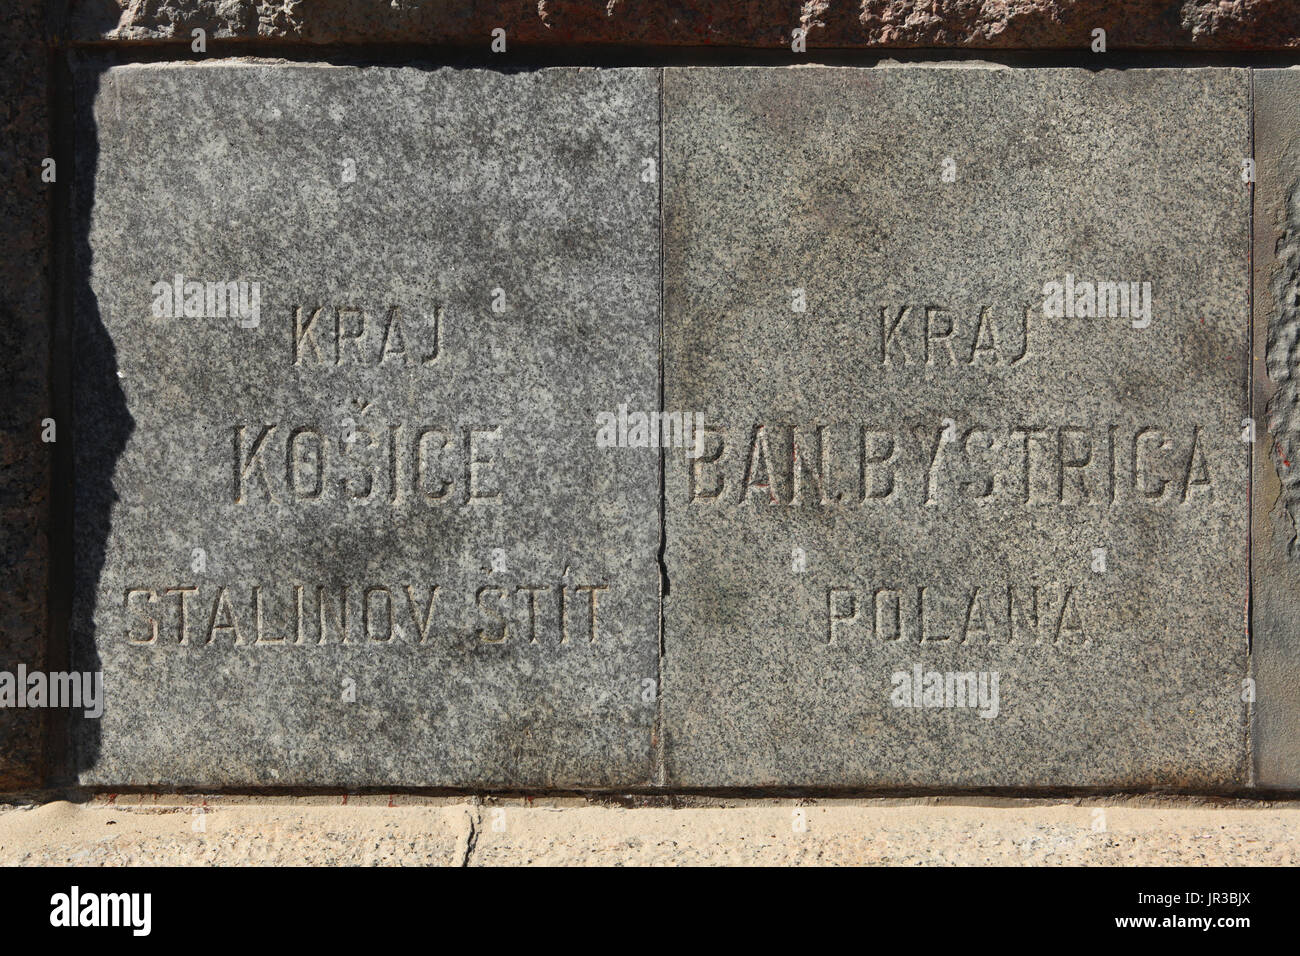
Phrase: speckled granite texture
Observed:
(920, 467)
(362, 533)
(345, 335)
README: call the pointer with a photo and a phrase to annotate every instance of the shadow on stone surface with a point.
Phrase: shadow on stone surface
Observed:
(102, 423)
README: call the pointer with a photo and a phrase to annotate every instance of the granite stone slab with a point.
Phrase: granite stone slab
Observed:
(972, 350)
(343, 338)
(1275, 558)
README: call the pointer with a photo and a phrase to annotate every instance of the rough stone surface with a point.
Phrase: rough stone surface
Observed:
(400, 831)
(1275, 557)
(24, 376)
(381, 431)
(946, 459)
(981, 24)
(201, 833)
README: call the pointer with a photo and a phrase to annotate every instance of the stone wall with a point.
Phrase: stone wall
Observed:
(974, 24)
(380, 423)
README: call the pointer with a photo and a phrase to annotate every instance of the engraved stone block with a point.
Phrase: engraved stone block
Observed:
(343, 339)
(971, 349)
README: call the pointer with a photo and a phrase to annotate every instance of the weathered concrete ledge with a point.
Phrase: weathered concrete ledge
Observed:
(405, 831)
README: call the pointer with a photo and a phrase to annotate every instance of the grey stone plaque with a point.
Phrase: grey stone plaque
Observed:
(343, 341)
(1275, 555)
(971, 346)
